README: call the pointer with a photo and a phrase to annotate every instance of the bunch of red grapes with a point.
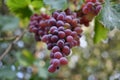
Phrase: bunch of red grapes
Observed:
(60, 32)
(91, 7)
(89, 10)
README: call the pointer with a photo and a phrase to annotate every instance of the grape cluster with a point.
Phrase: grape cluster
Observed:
(60, 31)
(38, 25)
(89, 10)
(91, 7)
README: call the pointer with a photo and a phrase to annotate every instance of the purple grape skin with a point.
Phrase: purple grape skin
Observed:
(55, 49)
(66, 50)
(58, 55)
(68, 32)
(60, 43)
(60, 17)
(52, 22)
(69, 38)
(54, 38)
(61, 28)
(55, 14)
(45, 38)
(68, 19)
(61, 34)
(60, 23)
(52, 29)
(49, 46)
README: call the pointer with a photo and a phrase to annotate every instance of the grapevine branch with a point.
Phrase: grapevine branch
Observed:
(11, 45)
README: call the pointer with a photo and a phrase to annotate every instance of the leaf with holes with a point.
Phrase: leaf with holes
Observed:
(110, 16)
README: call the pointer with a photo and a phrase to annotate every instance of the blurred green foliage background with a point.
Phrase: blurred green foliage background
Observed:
(27, 59)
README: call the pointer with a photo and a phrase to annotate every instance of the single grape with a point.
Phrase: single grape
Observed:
(78, 30)
(52, 29)
(56, 62)
(49, 46)
(60, 17)
(55, 49)
(66, 50)
(69, 38)
(55, 14)
(61, 28)
(51, 69)
(45, 38)
(63, 61)
(58, 55)
(60, 23)
(61, 34)
(54, 38)
(74, 34)
(68, 32)
(60, 43)
(68, 19)
(52, 22)
(42, 24)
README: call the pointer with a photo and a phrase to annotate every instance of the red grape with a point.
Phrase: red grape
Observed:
(55, 49)
(63, 61)
(58, 55)
(51, 68)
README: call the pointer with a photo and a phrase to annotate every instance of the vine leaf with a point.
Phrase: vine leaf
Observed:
(100, 32)
(110, 16)
(22, 8)
(56, 4)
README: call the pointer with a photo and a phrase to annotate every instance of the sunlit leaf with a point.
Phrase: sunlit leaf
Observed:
(100, 32)
(37, 4)
(20, 8)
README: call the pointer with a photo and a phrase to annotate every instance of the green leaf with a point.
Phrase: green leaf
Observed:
(100, 32)
(37, 4)
(109, 16)
(8, 23)
(56, 4)
(20, 8)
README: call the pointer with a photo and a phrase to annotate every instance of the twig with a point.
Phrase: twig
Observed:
(11, 45)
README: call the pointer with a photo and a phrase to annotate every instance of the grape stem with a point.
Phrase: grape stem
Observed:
(12, 44)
